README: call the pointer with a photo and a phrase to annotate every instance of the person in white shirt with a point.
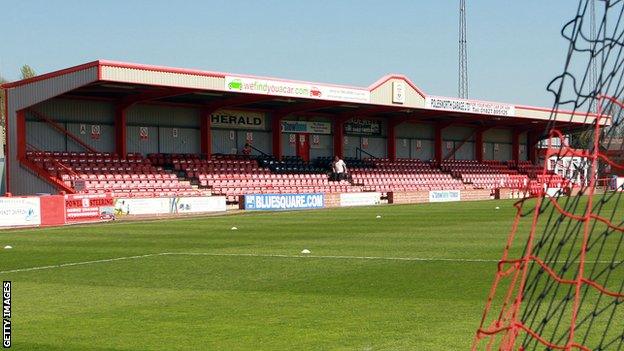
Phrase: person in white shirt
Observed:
(339, 168)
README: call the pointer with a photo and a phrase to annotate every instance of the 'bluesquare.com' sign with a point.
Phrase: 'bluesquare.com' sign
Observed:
(283, 201)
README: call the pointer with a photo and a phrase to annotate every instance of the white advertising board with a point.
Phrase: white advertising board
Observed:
(444, 195)
(142, 206)
(554, 192)
(619, 183)
(469, 106)
(17, 211)
(360, 199)
(295, 89)
(199, 204)
(169, 205)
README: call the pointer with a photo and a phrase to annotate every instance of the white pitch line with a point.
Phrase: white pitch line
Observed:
(423, 259)
(413, 259)
(81, 263)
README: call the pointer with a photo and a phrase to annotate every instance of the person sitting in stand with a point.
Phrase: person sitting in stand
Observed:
(339, 169)
(247, 149)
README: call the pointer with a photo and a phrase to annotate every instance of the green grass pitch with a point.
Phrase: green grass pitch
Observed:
(250, 289)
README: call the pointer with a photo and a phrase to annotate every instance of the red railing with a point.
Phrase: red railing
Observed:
(60, 129)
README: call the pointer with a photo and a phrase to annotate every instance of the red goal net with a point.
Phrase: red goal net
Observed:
(560, 282)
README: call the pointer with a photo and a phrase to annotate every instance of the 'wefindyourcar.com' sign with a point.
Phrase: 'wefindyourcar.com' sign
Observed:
(296, 89)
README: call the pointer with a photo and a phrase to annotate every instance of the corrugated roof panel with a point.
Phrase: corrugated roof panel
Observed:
(29, 94)
(173, 79)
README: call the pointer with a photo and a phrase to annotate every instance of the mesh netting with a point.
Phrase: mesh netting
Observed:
(560, 283)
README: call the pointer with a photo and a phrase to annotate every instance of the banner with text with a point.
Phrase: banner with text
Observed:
(360, 199)
(234, 119)
(444, 195)
(17, 211)
(169, 205)
(306, 127)
(273, 202)
(88, 207)
(296, 89)
(198, 204)
(363, 127)
(470, 106)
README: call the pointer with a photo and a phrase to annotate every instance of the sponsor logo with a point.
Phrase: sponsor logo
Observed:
(284, 201)
(236, 84)
(237, 119)
(315, 92)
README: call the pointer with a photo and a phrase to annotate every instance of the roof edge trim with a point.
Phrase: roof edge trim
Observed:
(51, 74)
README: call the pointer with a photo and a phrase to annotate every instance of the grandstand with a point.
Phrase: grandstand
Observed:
(134, 130)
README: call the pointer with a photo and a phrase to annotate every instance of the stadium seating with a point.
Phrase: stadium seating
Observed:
(290, 165)
(233, 175)
(485, 175)
(403, 175)
(93, 173)
(537, 178)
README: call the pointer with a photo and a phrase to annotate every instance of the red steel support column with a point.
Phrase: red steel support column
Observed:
(121, 147)
(515, 146)
(437, 147)
(339, 136)
(392, 139)
(479, 145)
(20, 129)
(532, 140)
(206, 133)
(276, 130)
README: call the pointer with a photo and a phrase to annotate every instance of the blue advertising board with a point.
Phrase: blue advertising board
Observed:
(274, 202)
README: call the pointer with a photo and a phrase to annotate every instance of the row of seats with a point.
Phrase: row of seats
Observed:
(106, 172)
(494, 181)
(83, 154)
(403, 175)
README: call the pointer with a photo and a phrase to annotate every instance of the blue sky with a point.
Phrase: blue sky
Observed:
(514, 49)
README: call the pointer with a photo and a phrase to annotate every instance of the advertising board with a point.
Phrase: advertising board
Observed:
(235, 119)
(198, 204)
(275, 202)
(18, 211)
(444, 195)
(295, 89)
(169, 205)
(88, 207)
(470, 106)
(306, 127)
(360, 199)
